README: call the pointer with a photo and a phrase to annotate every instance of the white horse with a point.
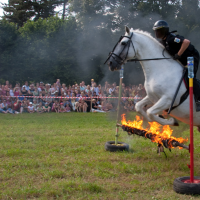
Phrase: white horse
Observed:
(161, 77)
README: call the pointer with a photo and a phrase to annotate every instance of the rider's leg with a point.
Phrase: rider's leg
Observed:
(157, 108)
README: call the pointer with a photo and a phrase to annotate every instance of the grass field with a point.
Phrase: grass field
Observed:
(62, 156)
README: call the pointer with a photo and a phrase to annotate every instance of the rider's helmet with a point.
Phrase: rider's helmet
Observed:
(161, 28)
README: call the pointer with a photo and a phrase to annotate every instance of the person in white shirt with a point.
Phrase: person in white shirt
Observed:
(96, 89)
(112, 89)
(26, 85)
(31, 108)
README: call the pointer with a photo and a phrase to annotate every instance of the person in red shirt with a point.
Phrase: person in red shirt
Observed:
(17, 105)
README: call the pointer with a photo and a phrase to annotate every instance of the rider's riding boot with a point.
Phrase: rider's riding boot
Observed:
(197, 106)
(197, 102)
(196, 90)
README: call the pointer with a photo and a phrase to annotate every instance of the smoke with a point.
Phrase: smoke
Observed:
(80, 51)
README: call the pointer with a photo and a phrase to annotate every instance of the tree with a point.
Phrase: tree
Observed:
(19, 11)
(8, 42)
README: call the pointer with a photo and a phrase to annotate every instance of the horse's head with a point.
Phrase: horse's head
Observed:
(120, 53)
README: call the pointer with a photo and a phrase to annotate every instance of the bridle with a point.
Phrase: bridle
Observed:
(121, 60)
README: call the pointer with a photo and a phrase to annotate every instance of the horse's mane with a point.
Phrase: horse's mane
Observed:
(148, 35)
(152, 38)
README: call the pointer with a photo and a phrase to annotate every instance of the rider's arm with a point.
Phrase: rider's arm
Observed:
(184, 46)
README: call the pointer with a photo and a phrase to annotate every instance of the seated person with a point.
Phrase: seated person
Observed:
(35, 93)
(67, 102)
(55, 107)
(39, 108)
(126, 108)
(73, 102)
(68, 108)
(94, 95)
(31, 90)
(35, 104)
(46, 107)
(56, 97)
(103, 106)
(17, 105)
(95, 106)
(88, 101)
(3, 108)
(41, 98)
(111, 100)
(83, 106)
(131, 106)
(31, 108)
(109, 106)
(78, 106)
(25, 105)
(24, 91)
(48, 99)
(137, 97)
(62, 108)
(123, 99)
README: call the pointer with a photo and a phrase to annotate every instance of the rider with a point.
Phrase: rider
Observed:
(179, 48)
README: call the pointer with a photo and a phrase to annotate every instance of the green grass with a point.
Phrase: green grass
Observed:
(62, 156)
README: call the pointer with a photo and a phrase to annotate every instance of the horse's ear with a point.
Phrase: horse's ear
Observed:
(127, 30)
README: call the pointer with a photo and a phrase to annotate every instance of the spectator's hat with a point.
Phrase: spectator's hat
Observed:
(30, 103)
(46, 103)
(23, 86)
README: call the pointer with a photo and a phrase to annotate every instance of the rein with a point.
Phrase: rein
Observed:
(134, 60)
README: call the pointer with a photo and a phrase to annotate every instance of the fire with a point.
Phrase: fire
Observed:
(158, 131)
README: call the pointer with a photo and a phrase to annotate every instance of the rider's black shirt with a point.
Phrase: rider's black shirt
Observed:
(173, 44)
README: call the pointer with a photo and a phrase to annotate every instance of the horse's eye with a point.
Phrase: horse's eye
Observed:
(123, 43)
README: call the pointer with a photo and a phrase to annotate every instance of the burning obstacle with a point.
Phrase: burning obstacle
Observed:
(162, 137)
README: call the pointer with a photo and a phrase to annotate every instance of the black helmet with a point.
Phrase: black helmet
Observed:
(161, 28)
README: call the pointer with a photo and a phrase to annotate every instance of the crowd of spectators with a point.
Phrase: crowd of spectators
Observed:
(58, 97)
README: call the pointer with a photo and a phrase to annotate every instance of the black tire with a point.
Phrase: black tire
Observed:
(186, 188)
(110, 147)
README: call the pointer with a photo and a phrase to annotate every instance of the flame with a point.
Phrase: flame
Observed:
(160, 132)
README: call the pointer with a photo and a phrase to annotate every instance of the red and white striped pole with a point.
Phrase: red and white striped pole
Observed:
(189, 184)
(191, 132)
(191, 149)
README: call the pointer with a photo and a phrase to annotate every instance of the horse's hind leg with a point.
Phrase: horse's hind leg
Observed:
(161, 105)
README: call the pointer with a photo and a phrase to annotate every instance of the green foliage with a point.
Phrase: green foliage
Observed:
(74, 49)
(19, 11)
(44, 51)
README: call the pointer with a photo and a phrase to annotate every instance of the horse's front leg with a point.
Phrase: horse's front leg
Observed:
(139, 107)
(157, 108)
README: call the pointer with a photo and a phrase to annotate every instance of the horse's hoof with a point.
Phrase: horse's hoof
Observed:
(175, 122)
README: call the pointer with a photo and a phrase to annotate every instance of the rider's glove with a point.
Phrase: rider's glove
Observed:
(176, 57)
